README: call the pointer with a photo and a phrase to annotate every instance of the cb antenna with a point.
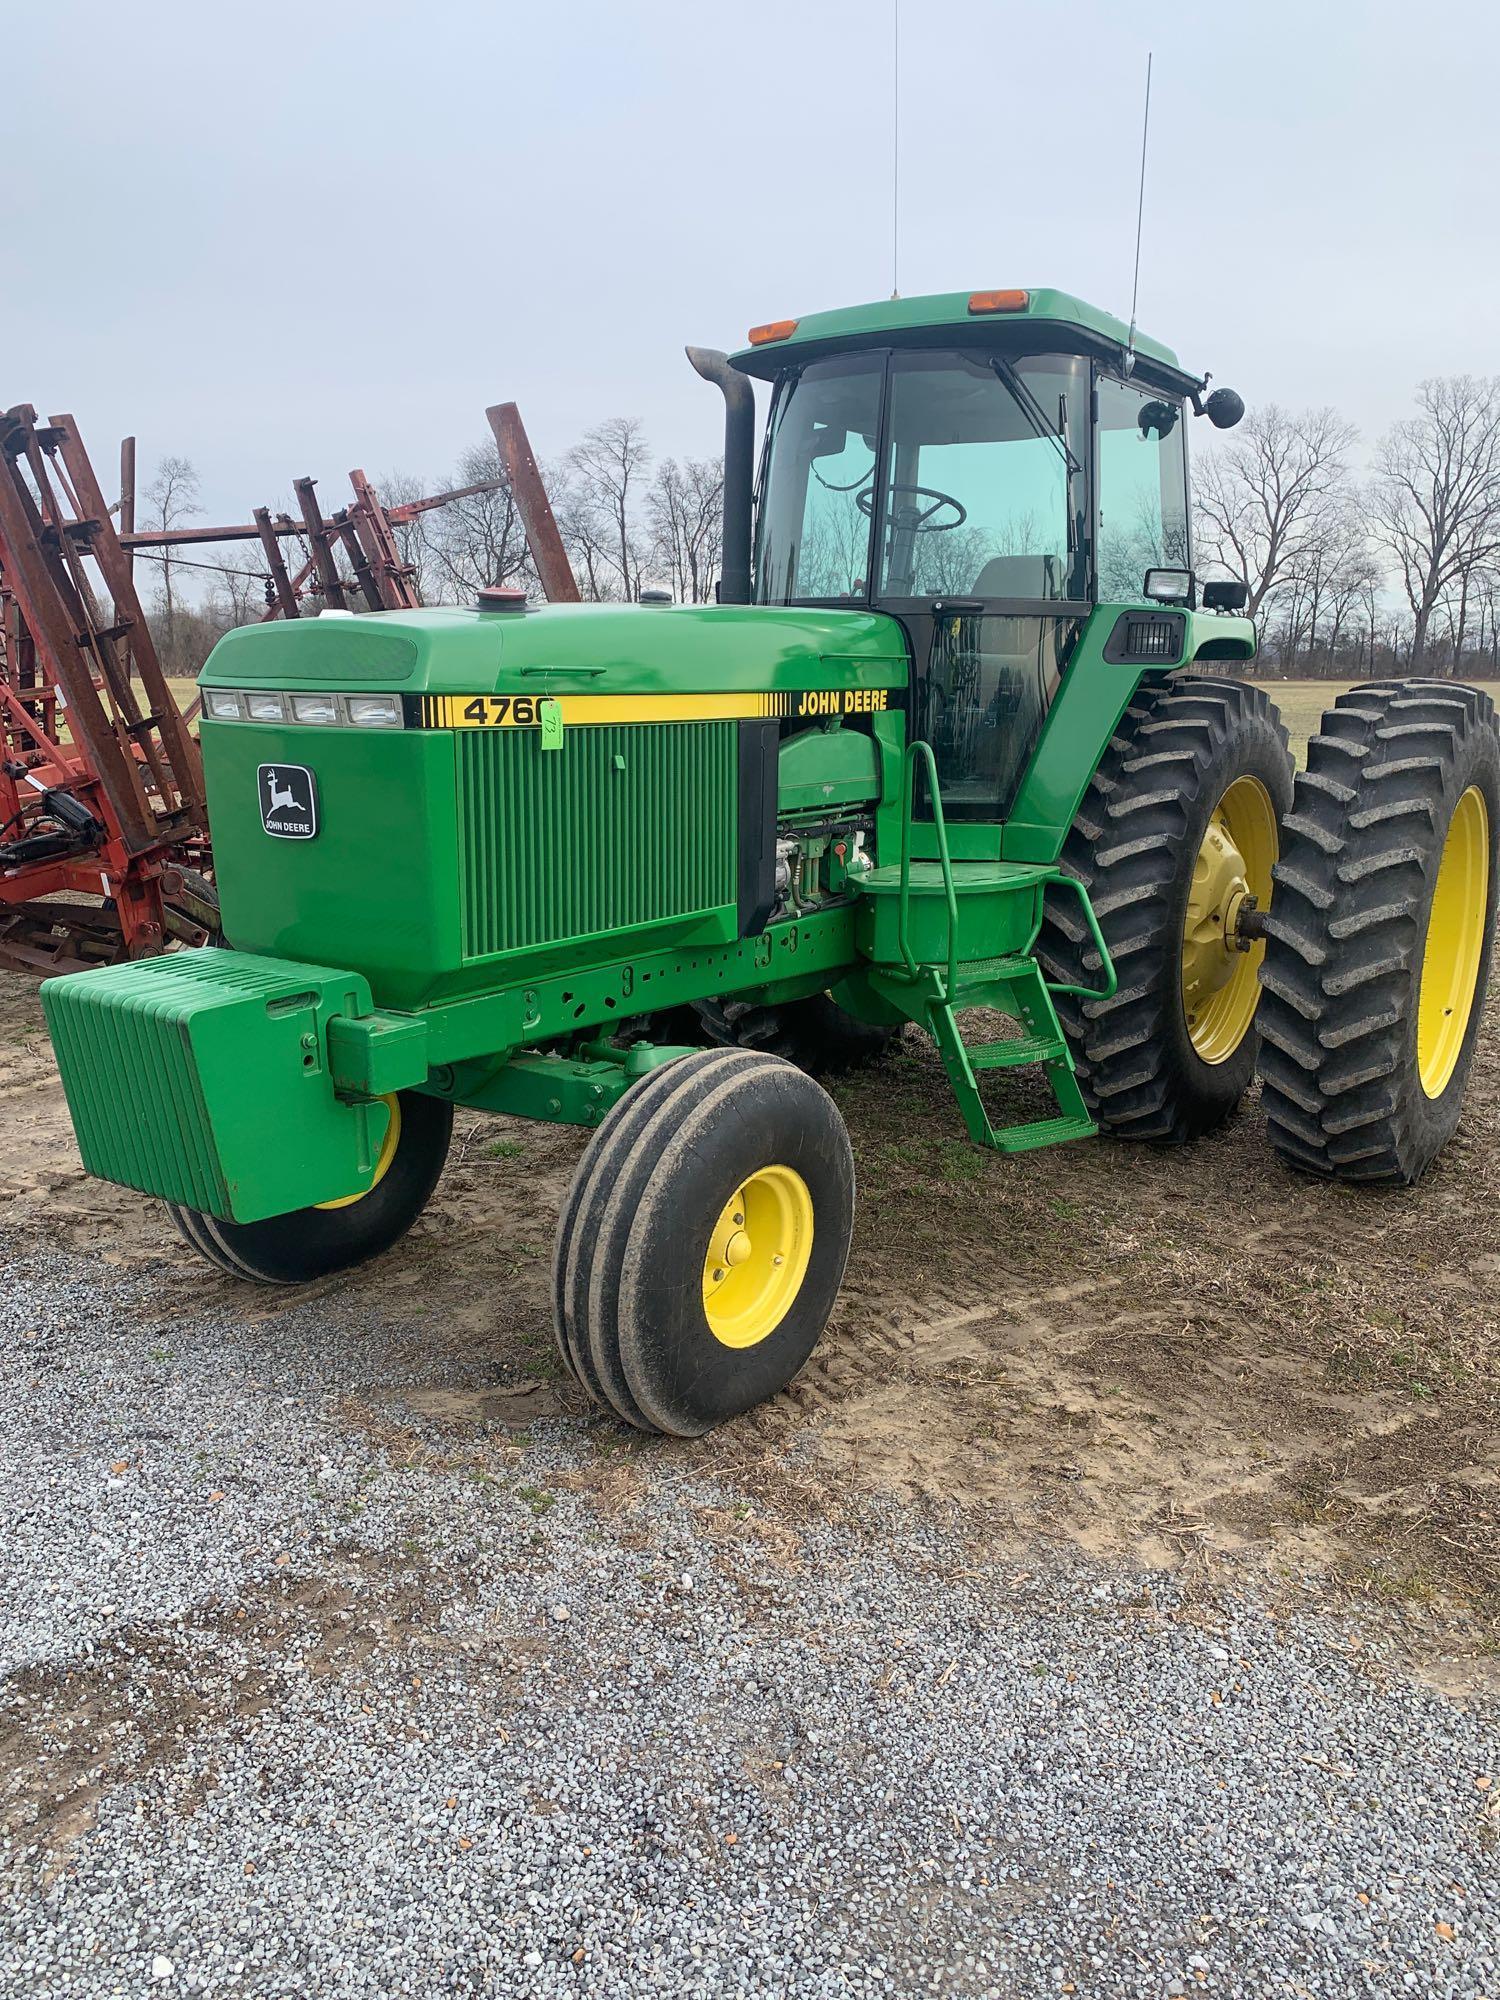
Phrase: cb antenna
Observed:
(1140, 211)
(895, 147)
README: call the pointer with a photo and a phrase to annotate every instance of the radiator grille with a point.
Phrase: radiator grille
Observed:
(626, 824)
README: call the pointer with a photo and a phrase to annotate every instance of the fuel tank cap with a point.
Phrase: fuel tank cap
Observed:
(500, 597)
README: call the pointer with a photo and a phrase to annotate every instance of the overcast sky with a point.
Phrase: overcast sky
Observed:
(285, 240)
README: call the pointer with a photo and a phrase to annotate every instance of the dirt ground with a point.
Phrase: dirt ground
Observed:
(1190, 1357)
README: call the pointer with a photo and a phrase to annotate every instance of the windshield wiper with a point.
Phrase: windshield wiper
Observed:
(1033, 412)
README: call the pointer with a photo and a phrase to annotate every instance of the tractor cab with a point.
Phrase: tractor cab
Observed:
(985, 468)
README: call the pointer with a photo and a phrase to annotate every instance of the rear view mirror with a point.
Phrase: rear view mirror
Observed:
(1158, 419)
(1226, 593)
(1168, 586)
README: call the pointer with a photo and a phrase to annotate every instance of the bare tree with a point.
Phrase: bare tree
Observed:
(1435, 502)
(685, 508)
(478, 540)
(412, 537)
(1268, 503)
(173, 498)
(604, 477)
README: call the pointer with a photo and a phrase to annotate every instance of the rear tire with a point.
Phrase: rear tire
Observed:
(1372, 1010)
(1142, 837)
(311, 1243)
(705, 1251)
(816, 1034)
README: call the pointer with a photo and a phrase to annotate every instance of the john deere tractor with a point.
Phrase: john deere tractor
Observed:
(962, 732)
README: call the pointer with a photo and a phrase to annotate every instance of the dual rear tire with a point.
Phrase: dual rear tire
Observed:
(1383, 931)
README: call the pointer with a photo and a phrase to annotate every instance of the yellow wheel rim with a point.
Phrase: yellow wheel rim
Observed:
(383, 1159)
(1220, 981)
(1455, 943)
(757, 1256)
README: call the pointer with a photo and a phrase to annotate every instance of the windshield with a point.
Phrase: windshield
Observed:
(982, 494)
(814, 534)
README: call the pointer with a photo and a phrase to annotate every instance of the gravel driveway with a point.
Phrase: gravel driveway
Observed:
(297, 1706)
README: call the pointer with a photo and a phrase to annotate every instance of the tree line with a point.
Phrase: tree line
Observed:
(1351, 569)
(629, 522)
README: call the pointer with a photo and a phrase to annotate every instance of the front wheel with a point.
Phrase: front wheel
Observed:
(314, 1242)
(703, 1242)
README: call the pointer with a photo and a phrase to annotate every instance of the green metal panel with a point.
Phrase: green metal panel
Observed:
(202, 1077)
(629, 828)
(999, 908)
(377, 888)
(314, 649)
(1094, 694)
(934, 313)
(821, 769)
(575, 649)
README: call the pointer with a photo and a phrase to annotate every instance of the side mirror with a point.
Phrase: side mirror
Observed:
(1168, 586)
(1227, 593)
(1158, 419)
(1224, 409)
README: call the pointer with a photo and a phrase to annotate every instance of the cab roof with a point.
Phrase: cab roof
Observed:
(1066, 321)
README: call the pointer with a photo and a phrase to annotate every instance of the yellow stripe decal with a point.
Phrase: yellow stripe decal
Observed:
(508, 711)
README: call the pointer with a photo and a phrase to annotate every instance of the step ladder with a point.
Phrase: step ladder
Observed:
(933, 993)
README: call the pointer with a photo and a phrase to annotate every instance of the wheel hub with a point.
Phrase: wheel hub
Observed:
(757, 1256)
(1220, 953)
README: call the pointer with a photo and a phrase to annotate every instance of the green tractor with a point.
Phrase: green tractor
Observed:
(961, 733)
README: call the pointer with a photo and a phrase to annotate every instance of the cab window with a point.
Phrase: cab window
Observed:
(1143, 515)
(984, 487)
(814, 531)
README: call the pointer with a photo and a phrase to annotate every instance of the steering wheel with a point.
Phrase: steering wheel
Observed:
(924, 523)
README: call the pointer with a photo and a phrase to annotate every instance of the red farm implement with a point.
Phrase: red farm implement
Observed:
(101, 789)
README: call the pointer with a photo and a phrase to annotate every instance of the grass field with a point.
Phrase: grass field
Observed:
(1303, 702)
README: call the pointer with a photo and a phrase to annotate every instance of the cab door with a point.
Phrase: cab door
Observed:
(982, 552)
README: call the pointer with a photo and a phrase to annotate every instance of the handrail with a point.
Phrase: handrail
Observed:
(1111, 985)
(950, 891)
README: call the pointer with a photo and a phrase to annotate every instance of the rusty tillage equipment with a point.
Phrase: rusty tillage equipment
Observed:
(101, 785)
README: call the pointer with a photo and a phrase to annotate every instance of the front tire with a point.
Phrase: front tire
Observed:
(1383, 932)
(1179, 824)
(312, 1243)
(704, 1243)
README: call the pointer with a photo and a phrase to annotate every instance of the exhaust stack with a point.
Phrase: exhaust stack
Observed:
(739, 469)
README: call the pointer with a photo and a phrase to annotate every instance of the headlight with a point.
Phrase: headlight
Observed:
(315, 708)
(375, 711)
(222, 703)
(265, 707)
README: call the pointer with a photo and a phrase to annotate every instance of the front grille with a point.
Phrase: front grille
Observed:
(626, 824)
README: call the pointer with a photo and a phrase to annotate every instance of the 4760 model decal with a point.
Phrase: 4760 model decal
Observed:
(512, 711)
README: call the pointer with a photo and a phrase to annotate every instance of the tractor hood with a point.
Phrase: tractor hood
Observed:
(566, 649)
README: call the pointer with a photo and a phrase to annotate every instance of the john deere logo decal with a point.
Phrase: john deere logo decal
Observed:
(288, 801)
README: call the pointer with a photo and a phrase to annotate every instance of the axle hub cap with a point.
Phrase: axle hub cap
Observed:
(1220, 984)
(757, 1256)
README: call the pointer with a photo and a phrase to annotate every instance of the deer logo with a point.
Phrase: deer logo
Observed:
(288, 801)
(281, 795)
